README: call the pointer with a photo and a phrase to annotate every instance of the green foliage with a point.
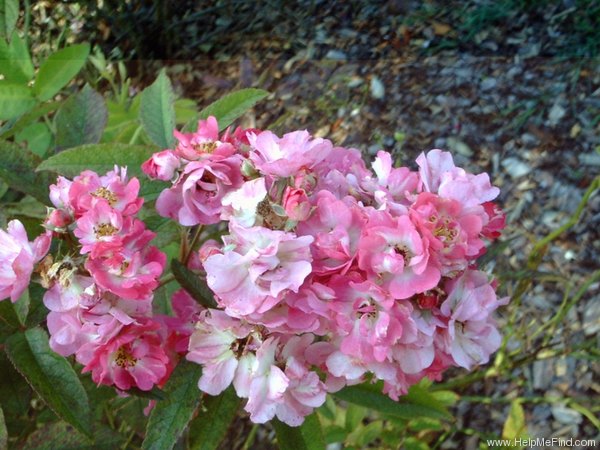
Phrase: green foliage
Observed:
(233, 105)
(60, 68)
(9, 13)
(515, 426)
(170, 416)
(81, 119)
(157, 113)
(195, 286)
(17, 169)
(15, 99)
(51, 376)
(208, 429)
(307, 436)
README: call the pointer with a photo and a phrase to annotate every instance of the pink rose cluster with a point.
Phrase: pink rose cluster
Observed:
(329, 273)
(100, 300)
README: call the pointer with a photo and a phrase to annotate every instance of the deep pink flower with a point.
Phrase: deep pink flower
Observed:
(114, 187)
(133, 358)
(18, 257)
(204, 143)
(132, 271)
(101, 228)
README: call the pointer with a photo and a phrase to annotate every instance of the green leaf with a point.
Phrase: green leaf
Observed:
(100, 158)
(367, 395)
(61, 435)
(14, 391)
(232, 106)
(60, 68)
(32, 116)
(186, 111)
(515, 426)
(51, 376)
(208, 429)
(81, 119)
(17, 169)
(15, 60)
(411, 443)
(363, 435)
(38, 138)
(169, 417)
(15, 99)
(419, 395)
(9, 13)
(193, 284)
(3, 432)
(307, 436)
(157, 112)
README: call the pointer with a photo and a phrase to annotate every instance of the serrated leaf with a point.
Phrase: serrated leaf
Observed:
(307, 436)
(15, 62)
(152, 394)
(157, 112)
(9, 13)
(17, 169)
(60, 68)
(210, 427)
(61, 435)
(15, 99)
(170, 416)
(233, 105)
(366, 395)
(14, 390)
(100, 158)
(515, 426)
(81, 119)
(193, 284)
(51, 376)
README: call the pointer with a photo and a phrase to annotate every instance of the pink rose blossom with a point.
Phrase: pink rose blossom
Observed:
(296, 205)
(257, 266)
(285, 156)
(196, 197)
(162, 165)
(392, 250)
(133, 358)
(17, 259)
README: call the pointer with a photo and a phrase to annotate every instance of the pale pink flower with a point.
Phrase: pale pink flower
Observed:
(305, 391)
(65, 331)
(216, 343)
(240, 205)
(257, 266)
(336, 226)
(268, 384)
(18, 257)
(471, 334)
(285, 156)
